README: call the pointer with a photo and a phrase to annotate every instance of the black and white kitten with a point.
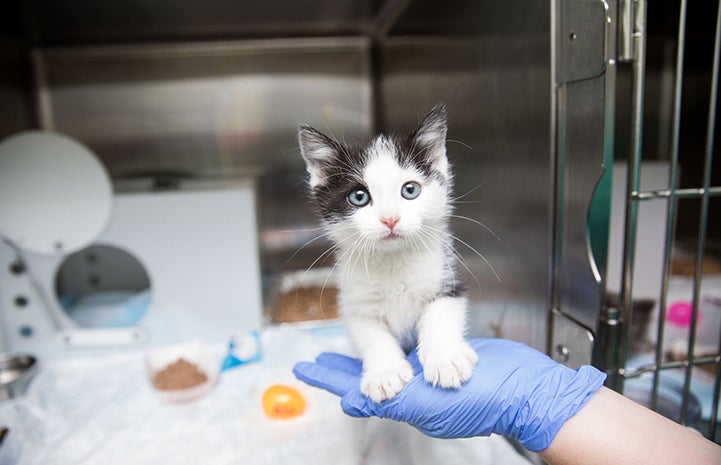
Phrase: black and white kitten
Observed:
(386, 207)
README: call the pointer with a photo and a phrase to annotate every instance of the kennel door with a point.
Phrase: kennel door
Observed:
(581, 139)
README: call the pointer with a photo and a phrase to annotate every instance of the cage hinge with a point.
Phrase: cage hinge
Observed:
(631, 27)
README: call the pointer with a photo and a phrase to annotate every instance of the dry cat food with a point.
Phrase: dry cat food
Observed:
(306, 303)
(179, 375)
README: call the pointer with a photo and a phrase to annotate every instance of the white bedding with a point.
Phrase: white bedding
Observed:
(103, 410)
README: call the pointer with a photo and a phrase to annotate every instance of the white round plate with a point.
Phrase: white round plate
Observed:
(55, 195)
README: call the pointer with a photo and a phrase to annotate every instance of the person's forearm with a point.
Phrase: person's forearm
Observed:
(614, 429)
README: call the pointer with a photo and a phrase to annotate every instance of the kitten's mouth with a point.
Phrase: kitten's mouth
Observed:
(391, 236)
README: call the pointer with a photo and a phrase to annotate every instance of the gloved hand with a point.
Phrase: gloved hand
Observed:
(515, 391)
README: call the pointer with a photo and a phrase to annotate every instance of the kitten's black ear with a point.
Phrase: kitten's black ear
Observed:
(318, 151)
(430, 135)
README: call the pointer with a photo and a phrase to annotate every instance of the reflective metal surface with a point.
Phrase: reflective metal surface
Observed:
(217, 90)
(16, 373)
(583, 80)
(89, 22)
(14, 89)
(205, 109)
(494, 78)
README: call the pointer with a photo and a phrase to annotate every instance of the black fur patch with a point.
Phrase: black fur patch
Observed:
(452, 289)
(341, 176)
(411, 154)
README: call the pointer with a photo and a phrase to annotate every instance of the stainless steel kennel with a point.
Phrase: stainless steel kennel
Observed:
(543, 96)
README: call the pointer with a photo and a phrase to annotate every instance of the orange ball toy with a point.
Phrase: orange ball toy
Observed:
(282, 402)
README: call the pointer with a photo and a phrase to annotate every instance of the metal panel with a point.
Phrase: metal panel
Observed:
(583, 137)
(204, 109)
(14, 89)
(580, 165)
(582, 43)
(91, 22)
(491, 67)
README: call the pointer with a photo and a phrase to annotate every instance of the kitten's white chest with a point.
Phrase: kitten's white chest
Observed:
(394, 290)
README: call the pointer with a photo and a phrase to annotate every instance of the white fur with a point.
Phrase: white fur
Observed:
(314, 170)
(389, 286)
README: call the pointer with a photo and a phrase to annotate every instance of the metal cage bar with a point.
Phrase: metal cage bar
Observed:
(703, 218)
(638, 60)
(671, 195)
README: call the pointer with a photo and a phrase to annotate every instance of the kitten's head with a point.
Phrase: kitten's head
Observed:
(387, 194)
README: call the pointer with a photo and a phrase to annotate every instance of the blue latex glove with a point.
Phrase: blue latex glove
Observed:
(515, 391)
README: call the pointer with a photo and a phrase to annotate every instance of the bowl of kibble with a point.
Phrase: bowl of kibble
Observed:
(303, 296)
(182, 372)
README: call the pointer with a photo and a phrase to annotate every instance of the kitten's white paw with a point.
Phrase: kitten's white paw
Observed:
(448, 366)
(383, 382)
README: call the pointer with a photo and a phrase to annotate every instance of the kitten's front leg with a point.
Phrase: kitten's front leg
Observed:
(385, 368)
(446, 357)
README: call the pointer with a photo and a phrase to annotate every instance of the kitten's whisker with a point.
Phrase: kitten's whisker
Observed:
(448, 247)
(415, 240)
(453, 200)
(293, 149)
(487, 228)
(456, 238)
(321, 236)
(460, 143)
(467, 202)
(322, 290)
(294, 230)
(449, 266)
(362, 257)
(460, 260)
(495, 273)
(366, 247)
(351, 264)
(346, 257)
(325, 123)
(326, 253)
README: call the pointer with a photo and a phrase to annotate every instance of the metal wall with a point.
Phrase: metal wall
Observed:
(203, 109)
(15, 84)
(491, 65)
(176, 90)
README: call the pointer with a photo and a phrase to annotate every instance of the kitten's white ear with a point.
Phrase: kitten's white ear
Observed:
(431, 135)
(318, 151)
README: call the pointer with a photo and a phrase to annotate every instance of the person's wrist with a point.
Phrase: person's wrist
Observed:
(555, 398)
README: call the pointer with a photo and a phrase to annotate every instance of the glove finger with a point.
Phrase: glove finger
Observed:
(352, 366)
(338, 382)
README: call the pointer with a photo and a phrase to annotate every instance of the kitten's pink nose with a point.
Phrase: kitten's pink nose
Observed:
(391, 222)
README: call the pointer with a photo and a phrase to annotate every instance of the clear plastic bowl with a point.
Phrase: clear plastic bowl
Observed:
(195, 353)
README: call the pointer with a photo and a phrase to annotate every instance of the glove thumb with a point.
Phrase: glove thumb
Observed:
(356, 404)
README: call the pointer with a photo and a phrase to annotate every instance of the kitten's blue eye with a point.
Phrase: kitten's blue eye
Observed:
(411, 190)
(359, 197)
